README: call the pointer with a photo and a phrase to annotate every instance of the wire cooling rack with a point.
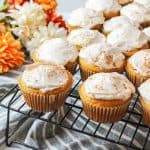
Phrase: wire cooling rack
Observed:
(75, 106)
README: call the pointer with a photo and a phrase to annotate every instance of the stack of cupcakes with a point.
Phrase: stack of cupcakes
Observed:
(111, 38)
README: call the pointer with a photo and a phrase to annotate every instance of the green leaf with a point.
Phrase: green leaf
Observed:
(3, 5)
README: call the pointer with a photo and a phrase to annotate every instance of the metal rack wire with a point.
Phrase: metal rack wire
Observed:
(74, 106)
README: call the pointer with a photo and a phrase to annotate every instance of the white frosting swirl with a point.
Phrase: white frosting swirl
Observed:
(144, 90)
(146, 3)
(127, 38)
(44, 77)
(84, 17)
(103, 5)
(140, 61)
(103, 56)
(57, 51)
(85, 37)
(136, 12)
(117, 22)
(109, 86)
(147, 32)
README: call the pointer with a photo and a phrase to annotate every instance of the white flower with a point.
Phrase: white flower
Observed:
(27, 19)
(2, 16)
(45, 33)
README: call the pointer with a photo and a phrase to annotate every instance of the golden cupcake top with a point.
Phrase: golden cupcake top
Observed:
(109, 86)
(123, 2)
(44, 77)
(58, 51)
(127, 38)
(103, 5)
(140, 61)
(144, 90)
(84, 17)
(85, 37)
(103, 56)
(136, 12)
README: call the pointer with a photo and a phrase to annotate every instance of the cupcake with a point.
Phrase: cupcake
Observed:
(117, 22)
(85, 18)
(138, 67)
(128, 39)
(145, 3)
(137, 13)
(57, 51)
(110, 8)
(123, 2)
(144, 91)
(147, 32)
(45, 86)
(106, 96)
(100, 58)
(81, 38)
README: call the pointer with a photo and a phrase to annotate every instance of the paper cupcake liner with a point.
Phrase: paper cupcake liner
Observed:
(45, 103)
(105, 114)
(133, 51)
(71, 67)
(85, 73)
(146, 113)
(135, 78)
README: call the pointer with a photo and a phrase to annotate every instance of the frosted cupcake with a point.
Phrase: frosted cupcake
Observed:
(144, 91)
(100, 58)
(85, 18)
(137, 13)
(57, 51)
(123, 2)
(81, 38)
(117, 22)
(106, 96)
(45, 87)
(110, 8)
(128, 39)
(147, 32)
(145, 3)
(138, 67)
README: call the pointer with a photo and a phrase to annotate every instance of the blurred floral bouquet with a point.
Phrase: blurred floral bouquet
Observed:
(26, 24)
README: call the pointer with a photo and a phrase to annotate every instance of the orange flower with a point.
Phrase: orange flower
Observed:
(56, 19)
(10, 54)
(2, 28)
(48, 5)
(16, 2)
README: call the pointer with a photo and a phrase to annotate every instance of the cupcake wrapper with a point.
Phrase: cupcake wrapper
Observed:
(85, 73)
(133, 51)
(134, 78)
(146, 114)
(72, 68)
(45, 103)
(105, 114)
